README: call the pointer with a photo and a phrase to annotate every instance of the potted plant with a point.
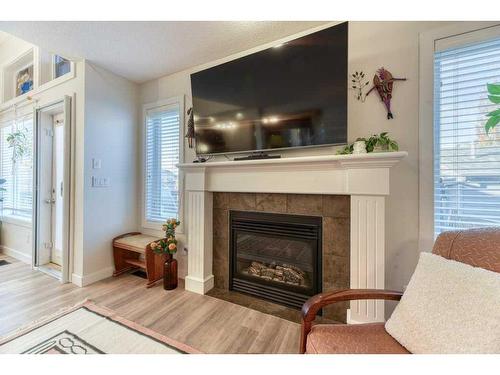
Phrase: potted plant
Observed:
(168, 246)
(381, 143)
(376, 143)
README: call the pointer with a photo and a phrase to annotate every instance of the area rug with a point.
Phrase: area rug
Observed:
(90, 329)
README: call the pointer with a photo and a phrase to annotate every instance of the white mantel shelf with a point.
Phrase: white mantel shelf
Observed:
(364, 177)
(328, 174)
(380, 159)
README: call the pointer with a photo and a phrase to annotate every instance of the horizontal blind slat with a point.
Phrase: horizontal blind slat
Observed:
(467, 160)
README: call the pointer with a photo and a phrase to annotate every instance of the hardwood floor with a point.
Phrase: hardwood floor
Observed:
(206, 323)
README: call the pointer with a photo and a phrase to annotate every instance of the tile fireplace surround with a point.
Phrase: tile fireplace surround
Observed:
(335, 212)
(354, 186)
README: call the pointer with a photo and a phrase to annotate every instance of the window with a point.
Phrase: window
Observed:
(16, 167)
(61, 66)
(466, 158)
(162, 149)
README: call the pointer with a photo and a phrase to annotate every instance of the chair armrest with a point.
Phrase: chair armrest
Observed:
(317, 302)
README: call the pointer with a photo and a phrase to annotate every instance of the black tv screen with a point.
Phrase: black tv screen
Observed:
(290, 95)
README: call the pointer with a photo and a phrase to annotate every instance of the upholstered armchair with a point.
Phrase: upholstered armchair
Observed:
(476, 247)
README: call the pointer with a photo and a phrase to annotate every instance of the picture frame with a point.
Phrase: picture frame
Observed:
(23, 80)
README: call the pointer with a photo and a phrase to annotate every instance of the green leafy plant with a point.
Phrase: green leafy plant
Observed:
(380, 142)
(494, 116)
(167, 245)
(18, 141)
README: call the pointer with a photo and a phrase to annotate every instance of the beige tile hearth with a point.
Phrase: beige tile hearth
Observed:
(263, 306)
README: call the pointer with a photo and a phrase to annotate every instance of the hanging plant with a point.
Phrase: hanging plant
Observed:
(18, 141)
(494, 116)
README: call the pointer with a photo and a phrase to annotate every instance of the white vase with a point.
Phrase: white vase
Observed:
(359, 147)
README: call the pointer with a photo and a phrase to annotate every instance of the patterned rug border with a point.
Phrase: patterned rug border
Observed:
(108, 314)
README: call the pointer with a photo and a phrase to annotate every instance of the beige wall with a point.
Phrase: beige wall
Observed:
(393, 45)
(111, 133)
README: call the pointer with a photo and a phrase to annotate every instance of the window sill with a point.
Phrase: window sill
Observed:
(16, 220)
(157, 227)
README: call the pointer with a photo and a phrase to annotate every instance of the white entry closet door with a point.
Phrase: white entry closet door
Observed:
(52, 176)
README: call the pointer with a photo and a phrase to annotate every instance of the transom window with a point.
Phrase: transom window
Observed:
(466, 157)
(162, 139)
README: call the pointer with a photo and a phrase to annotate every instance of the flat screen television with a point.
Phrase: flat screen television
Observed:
(290, 95)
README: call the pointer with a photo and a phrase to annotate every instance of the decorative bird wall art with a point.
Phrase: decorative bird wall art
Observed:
(383, 82)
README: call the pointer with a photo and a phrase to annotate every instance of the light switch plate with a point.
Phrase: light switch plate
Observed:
(100, 182)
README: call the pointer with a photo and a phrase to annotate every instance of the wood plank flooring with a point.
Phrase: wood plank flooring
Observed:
(203, 322)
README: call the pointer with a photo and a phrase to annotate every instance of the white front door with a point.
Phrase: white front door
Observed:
(52, 173)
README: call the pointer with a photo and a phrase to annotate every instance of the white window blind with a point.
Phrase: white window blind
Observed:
(161, 157)
(17, 168)
(466, 159)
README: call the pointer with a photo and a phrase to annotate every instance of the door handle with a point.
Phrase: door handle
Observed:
(50, 201)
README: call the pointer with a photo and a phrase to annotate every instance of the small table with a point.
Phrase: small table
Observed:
(127, 251)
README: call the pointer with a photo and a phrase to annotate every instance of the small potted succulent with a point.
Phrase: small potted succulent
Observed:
(168, 247)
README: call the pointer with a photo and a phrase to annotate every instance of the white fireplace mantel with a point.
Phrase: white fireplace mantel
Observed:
(364, 177)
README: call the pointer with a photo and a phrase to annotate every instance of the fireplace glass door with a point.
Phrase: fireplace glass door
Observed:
(276, 256)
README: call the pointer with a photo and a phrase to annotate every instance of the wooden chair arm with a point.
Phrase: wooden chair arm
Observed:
(317, 302)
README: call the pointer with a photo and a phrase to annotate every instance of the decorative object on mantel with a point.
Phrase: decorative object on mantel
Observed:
(190, 128)
(376, 143)
(359, 147)
(359, 84)
(383, 83)
(494, 116)
(168, 246)
(200, 158)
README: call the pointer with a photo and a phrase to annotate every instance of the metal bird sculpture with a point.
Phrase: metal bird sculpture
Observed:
(383, 82)
(190, 128)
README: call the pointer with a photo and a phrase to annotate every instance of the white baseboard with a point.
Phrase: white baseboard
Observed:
(200, 286)
(91, 278)
(19, 255)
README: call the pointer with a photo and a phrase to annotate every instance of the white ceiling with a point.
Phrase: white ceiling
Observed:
(141, 51)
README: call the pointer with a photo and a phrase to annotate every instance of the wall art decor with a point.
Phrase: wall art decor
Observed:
(383, 82)
(190, 128)
(24, 80)
(359, 83)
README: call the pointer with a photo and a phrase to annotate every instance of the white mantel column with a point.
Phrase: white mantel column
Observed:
(367, 255)
(199, 219)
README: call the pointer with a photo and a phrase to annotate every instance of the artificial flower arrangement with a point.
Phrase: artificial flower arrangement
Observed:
(167, 245)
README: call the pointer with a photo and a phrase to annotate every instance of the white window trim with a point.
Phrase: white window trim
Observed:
(173, 100)
(426, 123)
(16, 220)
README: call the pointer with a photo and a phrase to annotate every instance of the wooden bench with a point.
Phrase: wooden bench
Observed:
(127, 251)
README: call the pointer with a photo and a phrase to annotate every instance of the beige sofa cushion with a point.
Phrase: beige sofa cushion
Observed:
(448, 307)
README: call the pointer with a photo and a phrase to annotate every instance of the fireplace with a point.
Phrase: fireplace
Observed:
(275, 256)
